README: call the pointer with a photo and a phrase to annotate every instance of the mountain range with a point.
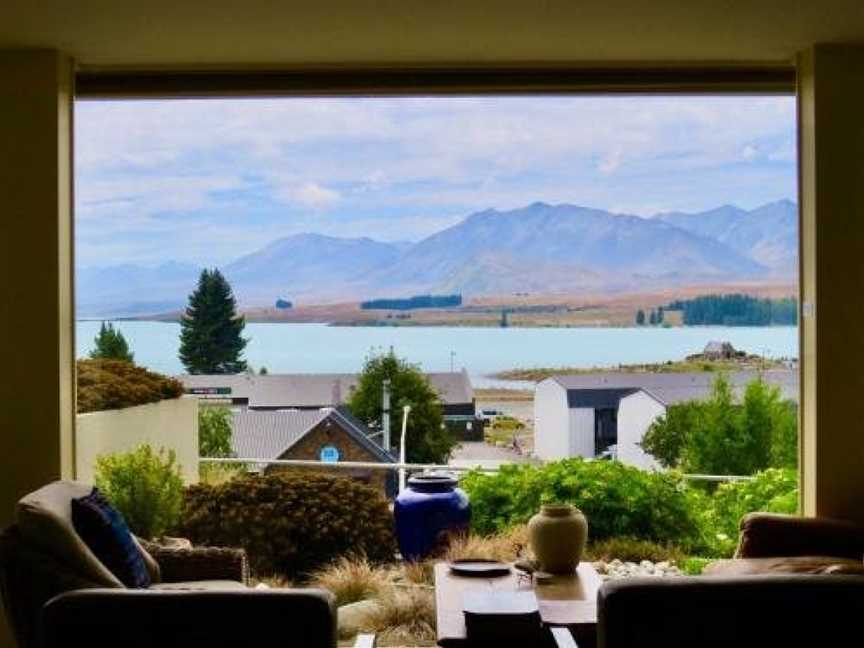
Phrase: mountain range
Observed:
(540, 248)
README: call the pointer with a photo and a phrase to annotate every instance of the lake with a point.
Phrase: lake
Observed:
(318, 348)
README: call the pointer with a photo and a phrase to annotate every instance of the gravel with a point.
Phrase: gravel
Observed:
(620, 569)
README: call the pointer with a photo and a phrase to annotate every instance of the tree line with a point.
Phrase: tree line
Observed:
(736, 310)
(410, 303)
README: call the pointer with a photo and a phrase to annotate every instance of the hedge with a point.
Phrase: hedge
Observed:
(115, 384)
(291, 523)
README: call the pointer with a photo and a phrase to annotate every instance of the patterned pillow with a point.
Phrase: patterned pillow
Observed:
(103, 529)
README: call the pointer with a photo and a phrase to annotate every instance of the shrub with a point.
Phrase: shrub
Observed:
(145, 486)
(114, 384)
(291, 523)
(618, 500)
(774, 490)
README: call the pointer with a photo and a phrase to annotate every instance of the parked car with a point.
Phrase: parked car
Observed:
(489, 415)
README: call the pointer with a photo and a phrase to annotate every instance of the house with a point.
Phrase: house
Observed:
(715, 350)
(586, 415)
(328, 435)
(314, 391)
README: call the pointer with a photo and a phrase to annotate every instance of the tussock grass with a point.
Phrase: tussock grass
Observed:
(352, 579)
(506, 546)
(419, 573)
(405, 617)
(633, 550)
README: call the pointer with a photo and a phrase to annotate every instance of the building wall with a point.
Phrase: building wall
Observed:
(636, 412)
(169, 424)
(581, 433)
(551, 421)
(309, 447)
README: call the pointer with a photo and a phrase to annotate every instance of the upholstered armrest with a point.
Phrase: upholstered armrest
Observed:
(765, 535)
(746, 612)
(200, 563)
(101, 618)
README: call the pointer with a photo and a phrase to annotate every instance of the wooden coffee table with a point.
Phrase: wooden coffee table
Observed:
(569, 601)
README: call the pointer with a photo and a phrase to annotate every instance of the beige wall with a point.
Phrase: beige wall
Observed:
(831, 106)
(170, 424)
(36, 385)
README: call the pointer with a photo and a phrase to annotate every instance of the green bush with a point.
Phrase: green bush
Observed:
(618, 500)
(291, 523)
(774, 490)
(145, 486)
(114, 384)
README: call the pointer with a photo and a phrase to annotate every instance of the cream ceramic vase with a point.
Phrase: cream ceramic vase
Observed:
(557, 535)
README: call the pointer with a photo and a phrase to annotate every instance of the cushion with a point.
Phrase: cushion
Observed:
(784, 565)
(104, 530)
(44, 520)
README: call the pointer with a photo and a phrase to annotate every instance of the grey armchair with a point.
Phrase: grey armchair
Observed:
(57, 593)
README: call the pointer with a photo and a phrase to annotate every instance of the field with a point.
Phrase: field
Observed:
(522, 309)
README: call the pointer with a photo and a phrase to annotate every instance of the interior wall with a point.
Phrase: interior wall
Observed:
(831, 132)
(36, 327)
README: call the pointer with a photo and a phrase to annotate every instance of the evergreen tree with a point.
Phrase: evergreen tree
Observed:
(640, 317)
(427, 440)
(111, 345)
(210, 329)
(652, 319)
(660, 315)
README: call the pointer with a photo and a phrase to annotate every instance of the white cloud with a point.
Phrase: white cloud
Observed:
(309, 194)
(415, 160)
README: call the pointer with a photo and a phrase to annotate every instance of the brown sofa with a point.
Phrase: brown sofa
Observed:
(57, 593)
(776, 592)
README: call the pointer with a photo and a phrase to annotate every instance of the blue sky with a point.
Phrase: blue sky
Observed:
(206, 181)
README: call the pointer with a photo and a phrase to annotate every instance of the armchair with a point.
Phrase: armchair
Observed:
(57, 593)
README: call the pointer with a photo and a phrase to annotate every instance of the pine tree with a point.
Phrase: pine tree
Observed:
(640, 317)
(652, 318)
(210, 330)
(109, 344)
(660, 315)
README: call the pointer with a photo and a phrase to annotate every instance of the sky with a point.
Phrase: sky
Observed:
(207, 181)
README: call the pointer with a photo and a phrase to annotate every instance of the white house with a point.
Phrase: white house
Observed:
(584, 415)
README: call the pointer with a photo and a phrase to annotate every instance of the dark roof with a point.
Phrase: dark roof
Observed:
(670, 388)
(315, 390)
(596, 398)
(269, 435)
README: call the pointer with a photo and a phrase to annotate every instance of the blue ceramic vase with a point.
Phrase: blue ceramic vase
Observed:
(427, 512)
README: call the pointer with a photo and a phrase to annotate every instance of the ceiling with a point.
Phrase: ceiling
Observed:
(194, 34)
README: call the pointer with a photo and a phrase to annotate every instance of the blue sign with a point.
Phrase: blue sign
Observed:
(329, 454)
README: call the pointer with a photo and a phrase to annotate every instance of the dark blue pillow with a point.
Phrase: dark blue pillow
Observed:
(103, 529)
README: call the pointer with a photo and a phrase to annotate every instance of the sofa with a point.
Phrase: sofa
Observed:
(794, 582)
(56, 592)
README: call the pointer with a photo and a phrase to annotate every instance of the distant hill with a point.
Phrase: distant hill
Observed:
(132, 290)
(561, 248)
(540, 248)
(768, 234)
(308, 266)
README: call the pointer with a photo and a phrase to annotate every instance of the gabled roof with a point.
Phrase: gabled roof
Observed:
(670, 388)
(315, 390)
(269, 435)
(596, 398)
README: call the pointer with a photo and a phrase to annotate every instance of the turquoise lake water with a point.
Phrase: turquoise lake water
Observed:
(318, 348)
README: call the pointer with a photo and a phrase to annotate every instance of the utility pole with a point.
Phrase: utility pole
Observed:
(402, 453)
(385, 416)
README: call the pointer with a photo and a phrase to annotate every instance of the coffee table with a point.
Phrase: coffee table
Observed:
(569, 601)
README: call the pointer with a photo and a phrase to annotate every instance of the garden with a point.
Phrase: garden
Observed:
(316, 529)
